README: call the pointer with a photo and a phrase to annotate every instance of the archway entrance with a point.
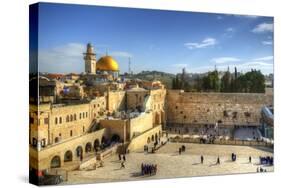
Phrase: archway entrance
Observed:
(115, 138)
(68, 156)
(88, 147)
(79, 151)
(96, 144)
(55, 162)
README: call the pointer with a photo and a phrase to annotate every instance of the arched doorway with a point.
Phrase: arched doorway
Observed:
(68, 156)
(148, 140)
(88, 147)
(103, 142)
(152, 138)
(115, 138)
(55, 162)
(79, 151)
(96, 145)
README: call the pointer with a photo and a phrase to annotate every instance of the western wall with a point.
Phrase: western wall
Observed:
(227, 109)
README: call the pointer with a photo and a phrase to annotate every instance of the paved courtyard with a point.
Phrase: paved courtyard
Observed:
(170, 164)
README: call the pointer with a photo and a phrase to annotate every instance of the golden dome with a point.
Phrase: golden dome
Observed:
(107, 63)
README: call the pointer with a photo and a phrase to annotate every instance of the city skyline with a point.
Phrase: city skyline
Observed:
(153, 39)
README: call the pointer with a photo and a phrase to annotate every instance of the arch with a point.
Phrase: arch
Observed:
(79, 151)
(55, 162)
(88, 147)
(68, 156)
(148, 140)
(152, 138)
(56, 120)
(156, 137)
(96, 144)
(115, 138)
(71, 117)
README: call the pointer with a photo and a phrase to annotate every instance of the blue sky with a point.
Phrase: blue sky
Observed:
(153, 39)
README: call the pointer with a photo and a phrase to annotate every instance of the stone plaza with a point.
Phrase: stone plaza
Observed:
(170, 164)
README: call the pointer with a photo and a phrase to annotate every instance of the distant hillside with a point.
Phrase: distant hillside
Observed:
(165, 78)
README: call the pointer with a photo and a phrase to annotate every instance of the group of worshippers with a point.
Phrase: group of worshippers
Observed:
(266, 160)
(181, 149)
(148, 169)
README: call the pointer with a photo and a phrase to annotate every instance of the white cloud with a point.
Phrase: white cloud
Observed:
(246, 16)
(263, 28)
(179, 65)
(230, 29)
(121, 54)
(219, 17)
(266, 58)
(203, 44)
(69, 58)
(222, 60)
(266, 42)
(62, 59)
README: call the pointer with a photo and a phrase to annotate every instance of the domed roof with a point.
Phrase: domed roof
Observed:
(107, 63)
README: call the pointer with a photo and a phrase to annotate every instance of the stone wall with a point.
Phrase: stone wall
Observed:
(208, 108)
(141, 124)
(140, 141)
(41, 160)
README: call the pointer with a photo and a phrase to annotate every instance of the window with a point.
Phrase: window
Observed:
(71, 117)
(60, 119)
(67, 118)
(83, 114)
(57, 139)
(86, 114)
(83, 129)
(74, 117)
(184, 117)
(56, 120)
(181, 112)
(176, 107)
(94, 106)
(46, 120)
(70, 132)
(80, 116)
(43, 142)
(34, 141)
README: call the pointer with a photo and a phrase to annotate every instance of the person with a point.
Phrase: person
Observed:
(202, 159)
(250, 159)
(122, 164)
(124, 158)
(218, 160)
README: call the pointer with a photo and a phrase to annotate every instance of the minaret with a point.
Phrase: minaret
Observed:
(90, 60)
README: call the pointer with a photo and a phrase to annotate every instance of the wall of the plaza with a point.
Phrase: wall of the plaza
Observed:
(140, 124)
(140, 141)
(208, 108)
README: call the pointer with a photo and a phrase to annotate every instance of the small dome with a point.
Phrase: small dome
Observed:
(107, 63)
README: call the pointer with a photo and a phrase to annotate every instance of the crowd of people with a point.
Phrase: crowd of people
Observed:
(266, 160)
(148, 169)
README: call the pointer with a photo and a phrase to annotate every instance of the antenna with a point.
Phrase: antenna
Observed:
(129, 65)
